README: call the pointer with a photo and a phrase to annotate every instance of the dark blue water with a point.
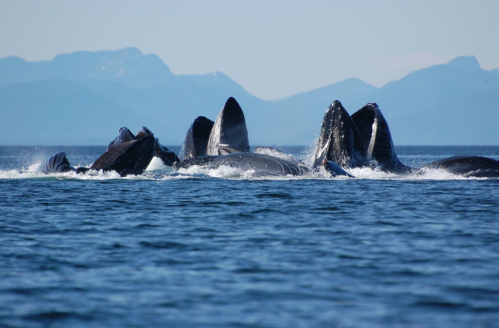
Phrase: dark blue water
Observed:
(225, 249)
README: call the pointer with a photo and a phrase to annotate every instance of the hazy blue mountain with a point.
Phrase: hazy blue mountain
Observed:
(85, 97)
(435, 84)
(432, 97)
(58, 111)
(127, 66)
(436, 96)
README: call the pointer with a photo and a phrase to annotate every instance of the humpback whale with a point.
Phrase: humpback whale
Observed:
(228, 145)
(467, 166)
(229, 133)
(131, 157)
(377, 139)
(345, 141)
(338, 146)
(225, 142)
(167, 156)
(340, 140)
(196, 139)
(126, 154)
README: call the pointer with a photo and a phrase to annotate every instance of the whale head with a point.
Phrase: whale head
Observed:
(339, 139)
(229, 133)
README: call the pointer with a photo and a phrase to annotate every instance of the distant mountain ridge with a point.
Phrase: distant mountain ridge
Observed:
(85, 97)
(126, 66)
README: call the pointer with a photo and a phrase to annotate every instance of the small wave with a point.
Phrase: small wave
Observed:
(163, 244)
(52, 316)
(274, 195)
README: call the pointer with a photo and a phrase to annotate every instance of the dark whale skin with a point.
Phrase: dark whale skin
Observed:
(124, 136)
(129, 158)
(377, 139)
(196, 138)
(229, 133)
(339, 140)
(260, 163)
(468, 166)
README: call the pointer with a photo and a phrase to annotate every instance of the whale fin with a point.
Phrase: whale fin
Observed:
(333, 169)
(196, 139)
(377, 138)
(339, 140)
(468, 166)
(229, 130)
(57, 163)
(128, 158)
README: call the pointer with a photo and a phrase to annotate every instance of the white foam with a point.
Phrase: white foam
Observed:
(371, 174)
(222, 171)
(277, 153)
(309, 152)
(158, 171)
(157, 165)
(436, 174)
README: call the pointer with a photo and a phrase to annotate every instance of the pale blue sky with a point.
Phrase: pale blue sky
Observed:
(272, 48)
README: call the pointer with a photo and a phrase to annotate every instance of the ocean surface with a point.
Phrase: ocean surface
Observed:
(224, 248)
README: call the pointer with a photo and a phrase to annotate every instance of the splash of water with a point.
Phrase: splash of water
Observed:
(158, 171)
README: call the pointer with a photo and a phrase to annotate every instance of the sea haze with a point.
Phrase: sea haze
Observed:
(84, 98)
(227, 249)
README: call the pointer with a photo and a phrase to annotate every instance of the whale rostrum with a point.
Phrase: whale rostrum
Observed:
(229, 133)
(196, 139)
(377, 138)
(339, 139)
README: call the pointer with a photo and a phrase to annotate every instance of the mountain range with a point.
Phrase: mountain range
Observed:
(84, 98)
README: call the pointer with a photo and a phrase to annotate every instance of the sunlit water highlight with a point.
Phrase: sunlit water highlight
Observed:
(225, 248)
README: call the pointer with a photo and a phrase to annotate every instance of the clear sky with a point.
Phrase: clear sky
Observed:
(272, 48)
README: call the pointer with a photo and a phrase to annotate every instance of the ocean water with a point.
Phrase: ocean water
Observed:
(224, 248)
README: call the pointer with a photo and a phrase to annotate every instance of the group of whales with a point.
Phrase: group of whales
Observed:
(345, 141)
